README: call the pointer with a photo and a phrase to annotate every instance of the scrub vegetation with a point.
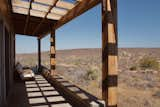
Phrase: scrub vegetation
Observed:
(139, 76)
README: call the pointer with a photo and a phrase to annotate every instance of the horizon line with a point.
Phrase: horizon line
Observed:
(89, 48)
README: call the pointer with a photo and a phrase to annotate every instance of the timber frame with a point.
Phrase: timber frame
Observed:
(40, 17)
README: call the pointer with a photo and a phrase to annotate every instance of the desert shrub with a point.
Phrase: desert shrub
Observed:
(133, 68)
(149, 63)
(76, 63)
(157, 94)
(92, 74)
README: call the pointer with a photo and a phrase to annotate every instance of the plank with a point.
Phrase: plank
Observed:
(52, 53)
(44, 18)
(28, 17)
(39, 54)
(109, 53)
(65, 5)
(79, 9)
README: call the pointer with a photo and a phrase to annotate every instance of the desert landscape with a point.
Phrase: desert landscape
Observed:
(139, 72)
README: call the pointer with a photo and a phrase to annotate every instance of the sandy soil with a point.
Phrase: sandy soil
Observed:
(137, 88)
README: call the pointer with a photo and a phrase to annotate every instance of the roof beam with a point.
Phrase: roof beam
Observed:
(28, 16)
(80, 8)
(21, 17)
(39, 25)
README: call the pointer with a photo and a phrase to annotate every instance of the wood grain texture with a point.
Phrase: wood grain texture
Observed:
(44, 18)
(80, 8)
(52, 53)
(109, 52)
(39, 54)
(28, 16)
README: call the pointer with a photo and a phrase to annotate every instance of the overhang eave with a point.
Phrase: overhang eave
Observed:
(46, 15)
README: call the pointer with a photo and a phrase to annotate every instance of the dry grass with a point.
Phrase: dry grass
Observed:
(137, 87)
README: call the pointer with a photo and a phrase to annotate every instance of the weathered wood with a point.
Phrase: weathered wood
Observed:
(20, 3)
(37, 20)
(72, 93)
(75, 10)
(14, 50)
(80, 8)
(5, 14)
(64, 4)
(46, 2)
(28, 16)
(109, 53)
(52, 53)
(19, 22)
(6, 50)
(39, 54)
(39, 25)
(59, 11)
(2, 64)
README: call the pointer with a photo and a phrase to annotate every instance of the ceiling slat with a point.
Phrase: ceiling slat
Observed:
(59, 11)
(28, 16)
(53, 16)
(40, 7)
(20, 3)
(44, 18)
(47, 2)
(65, 5)
(20, 10)
(80, 8)
(37, 13)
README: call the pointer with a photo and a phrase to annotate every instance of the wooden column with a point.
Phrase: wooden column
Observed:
(109, 52)
(14, 48)
(2, 64)
(39, 54)
(52, 53)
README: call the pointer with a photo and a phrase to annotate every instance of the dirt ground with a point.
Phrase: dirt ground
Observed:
(136, 88)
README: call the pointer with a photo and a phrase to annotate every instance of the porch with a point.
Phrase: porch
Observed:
(50, 91)
(38, 18)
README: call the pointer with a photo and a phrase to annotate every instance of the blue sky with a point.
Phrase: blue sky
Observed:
(138, 26)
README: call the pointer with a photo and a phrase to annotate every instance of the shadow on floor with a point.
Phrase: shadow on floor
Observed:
(36, 93)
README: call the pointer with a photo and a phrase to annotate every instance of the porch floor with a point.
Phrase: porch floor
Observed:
(36, 93)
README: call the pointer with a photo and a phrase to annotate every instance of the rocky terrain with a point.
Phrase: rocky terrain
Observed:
(139, 73)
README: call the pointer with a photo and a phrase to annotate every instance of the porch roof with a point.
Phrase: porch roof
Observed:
(38, 17)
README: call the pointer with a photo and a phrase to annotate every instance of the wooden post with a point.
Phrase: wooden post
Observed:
(109, 52)
(52, 53)
(39, 54)
(2, 64)
(14, 48)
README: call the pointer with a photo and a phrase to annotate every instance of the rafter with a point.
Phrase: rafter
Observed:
(80, 8)
(28, 16)
(50, 8)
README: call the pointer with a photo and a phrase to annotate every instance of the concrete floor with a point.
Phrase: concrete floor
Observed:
(36, 93)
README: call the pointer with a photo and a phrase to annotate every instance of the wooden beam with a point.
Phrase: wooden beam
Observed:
(109, 53)
(5, 14)
(39, 54)
(14, 48)
(28, 16)
(65, 4)
(114, 13)
(21, 17)
(39, 25)
(59, 11)
(80, 8)
(52, 53)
